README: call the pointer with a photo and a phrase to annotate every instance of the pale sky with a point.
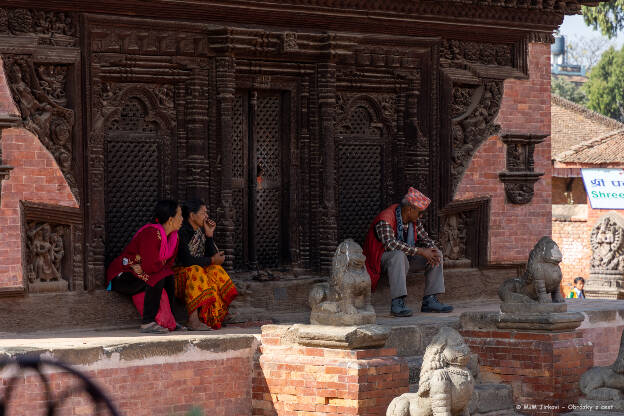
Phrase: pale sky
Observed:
(574, 27)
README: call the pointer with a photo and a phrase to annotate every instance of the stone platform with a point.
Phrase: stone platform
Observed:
(258, 301)
(215, 369)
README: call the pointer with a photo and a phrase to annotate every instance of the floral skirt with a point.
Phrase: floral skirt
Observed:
(208, 289)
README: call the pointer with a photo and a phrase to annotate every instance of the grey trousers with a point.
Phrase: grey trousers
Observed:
(395, 265)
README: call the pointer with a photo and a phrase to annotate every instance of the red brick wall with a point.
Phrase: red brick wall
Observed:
(605, 341)
(36, 177)
(292, 379)
(514, 229)
(220, 387)
(572, 237)
(537, 365)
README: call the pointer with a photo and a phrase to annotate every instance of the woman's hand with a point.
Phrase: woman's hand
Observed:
(209, 227)
(218, 258)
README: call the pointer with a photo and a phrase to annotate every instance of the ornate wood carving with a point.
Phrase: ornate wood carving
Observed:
(477, 107)
(39, 91)
(464, 232)
(53, 248)
(49, 28)
(363, 133)
(358, 103)
(520, 177)
(328, 227)
(225, 72)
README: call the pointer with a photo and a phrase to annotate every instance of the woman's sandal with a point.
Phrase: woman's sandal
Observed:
(202, 327)
(180, 327)
(153, 328)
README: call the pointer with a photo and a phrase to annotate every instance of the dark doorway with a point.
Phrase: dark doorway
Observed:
(260, 120)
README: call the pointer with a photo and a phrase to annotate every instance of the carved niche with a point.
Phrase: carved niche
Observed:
(520, 176)
(39, 91)
(464, 233)
(606, 276)
(52, 248)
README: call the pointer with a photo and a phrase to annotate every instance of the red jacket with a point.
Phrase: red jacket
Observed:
(373, 248)
(144, 249)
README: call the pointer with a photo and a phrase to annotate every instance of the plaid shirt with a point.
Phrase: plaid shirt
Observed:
(386, 235)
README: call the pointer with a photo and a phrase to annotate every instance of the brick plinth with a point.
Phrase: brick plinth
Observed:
(291, 379)
(543, 368)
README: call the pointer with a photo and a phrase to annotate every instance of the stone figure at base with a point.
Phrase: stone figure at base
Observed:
(446, 384)
(604, 386)
(540, 282)
(346, 299)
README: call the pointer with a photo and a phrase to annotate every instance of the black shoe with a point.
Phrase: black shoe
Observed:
(431, 303)
(398, 308)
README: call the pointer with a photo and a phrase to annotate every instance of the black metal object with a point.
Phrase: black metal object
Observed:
(102, 404)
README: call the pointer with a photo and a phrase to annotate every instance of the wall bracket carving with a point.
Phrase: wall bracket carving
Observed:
(39, 90)
(520, 176)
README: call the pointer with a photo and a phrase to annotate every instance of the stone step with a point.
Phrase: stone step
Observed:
(258, 301)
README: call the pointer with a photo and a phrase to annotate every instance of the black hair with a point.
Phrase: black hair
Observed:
(191, 206)
(164, 210)
(579, 279)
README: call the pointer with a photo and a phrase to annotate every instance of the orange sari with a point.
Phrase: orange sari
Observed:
(208, 289)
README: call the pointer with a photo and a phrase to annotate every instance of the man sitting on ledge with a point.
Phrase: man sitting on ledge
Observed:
(390, 248)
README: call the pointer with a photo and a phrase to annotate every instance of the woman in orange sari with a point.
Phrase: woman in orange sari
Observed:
(200, 280)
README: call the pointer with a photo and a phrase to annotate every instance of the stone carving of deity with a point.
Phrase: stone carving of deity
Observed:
(453, 238)
(607, 242)
(46, 253)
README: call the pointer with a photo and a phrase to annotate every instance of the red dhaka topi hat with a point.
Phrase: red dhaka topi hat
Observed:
(417, 199)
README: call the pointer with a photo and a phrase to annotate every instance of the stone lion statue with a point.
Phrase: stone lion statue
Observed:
(605, 384)
(446, 384)
(540, 282)
(346, 298)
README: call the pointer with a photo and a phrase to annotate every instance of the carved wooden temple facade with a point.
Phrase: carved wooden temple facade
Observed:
(312, 114)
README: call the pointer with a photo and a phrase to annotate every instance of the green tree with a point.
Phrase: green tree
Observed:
(564, 88)
(605, 87)
(608, 17)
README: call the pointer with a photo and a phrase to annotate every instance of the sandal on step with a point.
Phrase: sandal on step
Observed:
(153, 328)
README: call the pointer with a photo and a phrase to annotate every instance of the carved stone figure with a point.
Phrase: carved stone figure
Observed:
(58, 249)
(540, 282)
(453, 238)
(606, 277)
(44, 254)
(446, 384)
(607, 243)
(604, 386)
(346, 300)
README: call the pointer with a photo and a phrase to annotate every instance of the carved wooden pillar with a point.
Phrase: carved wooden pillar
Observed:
(225, 71)
(197, 166)
(328, 228)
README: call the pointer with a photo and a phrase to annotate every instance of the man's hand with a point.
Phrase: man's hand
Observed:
(432, 255)
(218, 258)
(209, 227)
